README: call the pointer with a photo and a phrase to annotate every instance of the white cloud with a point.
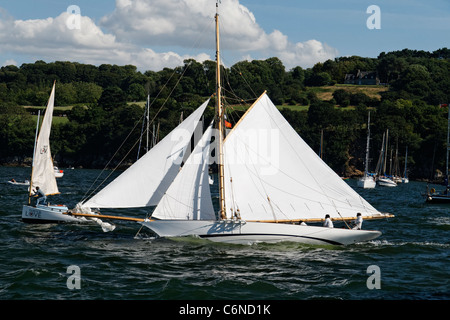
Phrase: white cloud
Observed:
(133, 32)
(9, 62)
(189, 24)
(50, 39)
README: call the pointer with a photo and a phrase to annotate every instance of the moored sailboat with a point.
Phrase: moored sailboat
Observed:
(269, 181)
(367, 181)
(382, 178)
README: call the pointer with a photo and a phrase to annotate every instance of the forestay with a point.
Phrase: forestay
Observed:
(271, 174)
(189, 197)
(43, 175)
(145, 182)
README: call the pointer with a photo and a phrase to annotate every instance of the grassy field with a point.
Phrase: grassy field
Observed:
(324, 93)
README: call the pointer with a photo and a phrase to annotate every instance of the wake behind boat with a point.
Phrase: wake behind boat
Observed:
(269, 181)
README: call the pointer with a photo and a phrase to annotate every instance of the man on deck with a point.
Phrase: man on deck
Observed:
(41, 197)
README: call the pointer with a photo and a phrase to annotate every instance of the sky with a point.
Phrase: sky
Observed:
(153, 34)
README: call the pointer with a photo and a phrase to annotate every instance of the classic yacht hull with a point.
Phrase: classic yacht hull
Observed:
(366, 183)
(243, 232)
(46, 214)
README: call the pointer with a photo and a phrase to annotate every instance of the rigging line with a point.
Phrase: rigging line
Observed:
(254, 173)
(112, 171)
(106, 166)
(207, 147)
(223, 29)
(137, 122)
(267, 195)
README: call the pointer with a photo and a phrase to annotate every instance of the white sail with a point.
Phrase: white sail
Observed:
(271, 174)
(43, 175)
(189, 197)
(145, 182)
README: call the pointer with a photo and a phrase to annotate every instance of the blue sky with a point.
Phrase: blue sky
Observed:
(153, 34)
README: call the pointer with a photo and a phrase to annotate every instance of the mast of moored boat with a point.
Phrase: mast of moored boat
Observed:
(448, 143)
(32, 161)
(220, 121)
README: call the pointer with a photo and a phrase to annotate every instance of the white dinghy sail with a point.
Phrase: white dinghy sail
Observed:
(43, 175)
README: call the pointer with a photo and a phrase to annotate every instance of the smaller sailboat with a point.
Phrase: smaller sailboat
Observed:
(367, 181)
(43, 175)
(405, 178)
(43, 178)
(382, 179)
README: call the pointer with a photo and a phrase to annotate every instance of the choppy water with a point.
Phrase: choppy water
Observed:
(412, 256)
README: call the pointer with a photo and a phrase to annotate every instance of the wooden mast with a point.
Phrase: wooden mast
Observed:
(220, 121)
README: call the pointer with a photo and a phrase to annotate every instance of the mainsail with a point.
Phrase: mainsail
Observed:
(271, 174)
(145, 182)
(42, 174)
(189, 197)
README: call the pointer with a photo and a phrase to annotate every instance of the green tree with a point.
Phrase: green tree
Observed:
(112, 97)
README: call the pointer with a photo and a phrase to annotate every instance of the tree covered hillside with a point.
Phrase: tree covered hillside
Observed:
(98, 107)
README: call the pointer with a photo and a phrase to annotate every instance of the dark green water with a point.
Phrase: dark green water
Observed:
(412, 256)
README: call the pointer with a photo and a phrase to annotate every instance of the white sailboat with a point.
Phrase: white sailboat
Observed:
(405, 178)
(43, 175)
(58, 172)
(367, 181)
(383, 179)
(269, 181)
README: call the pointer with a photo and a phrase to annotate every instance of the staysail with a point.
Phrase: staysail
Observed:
(43, 175)
(189, 197)
(271, 174)
(145, 182)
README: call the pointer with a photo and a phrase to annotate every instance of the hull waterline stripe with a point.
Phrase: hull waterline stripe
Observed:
(263, 234)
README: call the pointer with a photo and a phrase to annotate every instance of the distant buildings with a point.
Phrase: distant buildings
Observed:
(362, 78)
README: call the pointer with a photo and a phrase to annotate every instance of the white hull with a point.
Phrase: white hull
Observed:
(46, 214)
(242, 232)
(19, 183)
(58, 173)
(366, 183)
(386, 182)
